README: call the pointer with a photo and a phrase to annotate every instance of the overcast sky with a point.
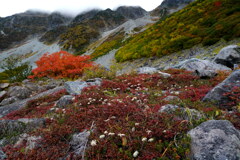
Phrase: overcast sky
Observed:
(9, 7)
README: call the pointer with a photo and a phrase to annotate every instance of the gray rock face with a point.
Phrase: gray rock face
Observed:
(64, 101)
(217, 93)
(4, 110)
(195, 64)
(4, 85)
(182, 113)
(206, 73)
(76, 87)
(228, 56)
(215, 140)
(9, 127)
(19, 92)
(147, 70)
(171, 98)
(79, 142)
(8, 101)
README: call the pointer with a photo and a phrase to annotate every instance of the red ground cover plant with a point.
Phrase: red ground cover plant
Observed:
(125, 111)
(61, 64)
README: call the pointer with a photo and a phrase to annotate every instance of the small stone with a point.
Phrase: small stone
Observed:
(64, 101)
(4, 85)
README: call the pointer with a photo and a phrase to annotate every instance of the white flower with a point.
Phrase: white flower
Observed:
(93, 143)
(148, 131)
(144, 139)
(133, 129)
(151, 140)
(105, 132)
(135, 154)
(121, 135)
(102, 136)
(111, 134)
(164, 131)
(177, 93)
(107, 120)
(136, 124)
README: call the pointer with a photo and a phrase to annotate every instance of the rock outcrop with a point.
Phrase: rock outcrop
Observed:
(228, 56)
(217, 94)
(215, 140)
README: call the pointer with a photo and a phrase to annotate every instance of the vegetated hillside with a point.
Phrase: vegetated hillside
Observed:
(91, 23)
(203, 21)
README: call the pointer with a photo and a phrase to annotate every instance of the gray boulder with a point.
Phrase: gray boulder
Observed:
(228, 56)
(215, 140)
(217, 96)
(19, 92)
(30, 141)
(64, 101)
(182, 113)
(206, 73)
(8, 101)
(76, 87)
(6, 109)
(11, 127)
(4, 85)
(147, 70)
(171, 98)
(203, 68)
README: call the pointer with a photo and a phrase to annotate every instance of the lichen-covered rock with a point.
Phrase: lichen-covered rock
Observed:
(217, 96)
(182, 113)
(64, 101)
(171, 98)
(199, 65)
(228, 56)
(215, 140)
(76, 87)
(9, 127)
(147, 70)
(8, 101)
(19, 92)
(206, 73)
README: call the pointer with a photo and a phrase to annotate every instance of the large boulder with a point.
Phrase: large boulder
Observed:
(215, 140)
(64, 101)
(228, 56)
(217, 94)
(8, 101)
(19, 92)
(76, 87)
(182, 113)
(11, 127)
(203, 68)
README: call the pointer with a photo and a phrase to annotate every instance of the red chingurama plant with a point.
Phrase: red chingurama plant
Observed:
(61, 64)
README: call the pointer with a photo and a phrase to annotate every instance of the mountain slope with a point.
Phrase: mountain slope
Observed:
(204, 21)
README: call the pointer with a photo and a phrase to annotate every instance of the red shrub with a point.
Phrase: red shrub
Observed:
(61, 64)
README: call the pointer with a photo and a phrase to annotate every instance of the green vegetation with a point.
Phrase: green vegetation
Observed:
(113, 42)
(78, 37)
(202, 22)
(13, 70)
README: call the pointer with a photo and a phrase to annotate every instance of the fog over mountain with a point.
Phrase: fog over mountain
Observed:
(72, 7)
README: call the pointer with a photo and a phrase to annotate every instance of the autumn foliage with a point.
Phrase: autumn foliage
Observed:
(61, 64)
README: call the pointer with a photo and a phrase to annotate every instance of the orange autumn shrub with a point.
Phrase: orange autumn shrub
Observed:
(61, 64)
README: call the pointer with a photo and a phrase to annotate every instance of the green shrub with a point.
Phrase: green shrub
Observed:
(14, 71)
